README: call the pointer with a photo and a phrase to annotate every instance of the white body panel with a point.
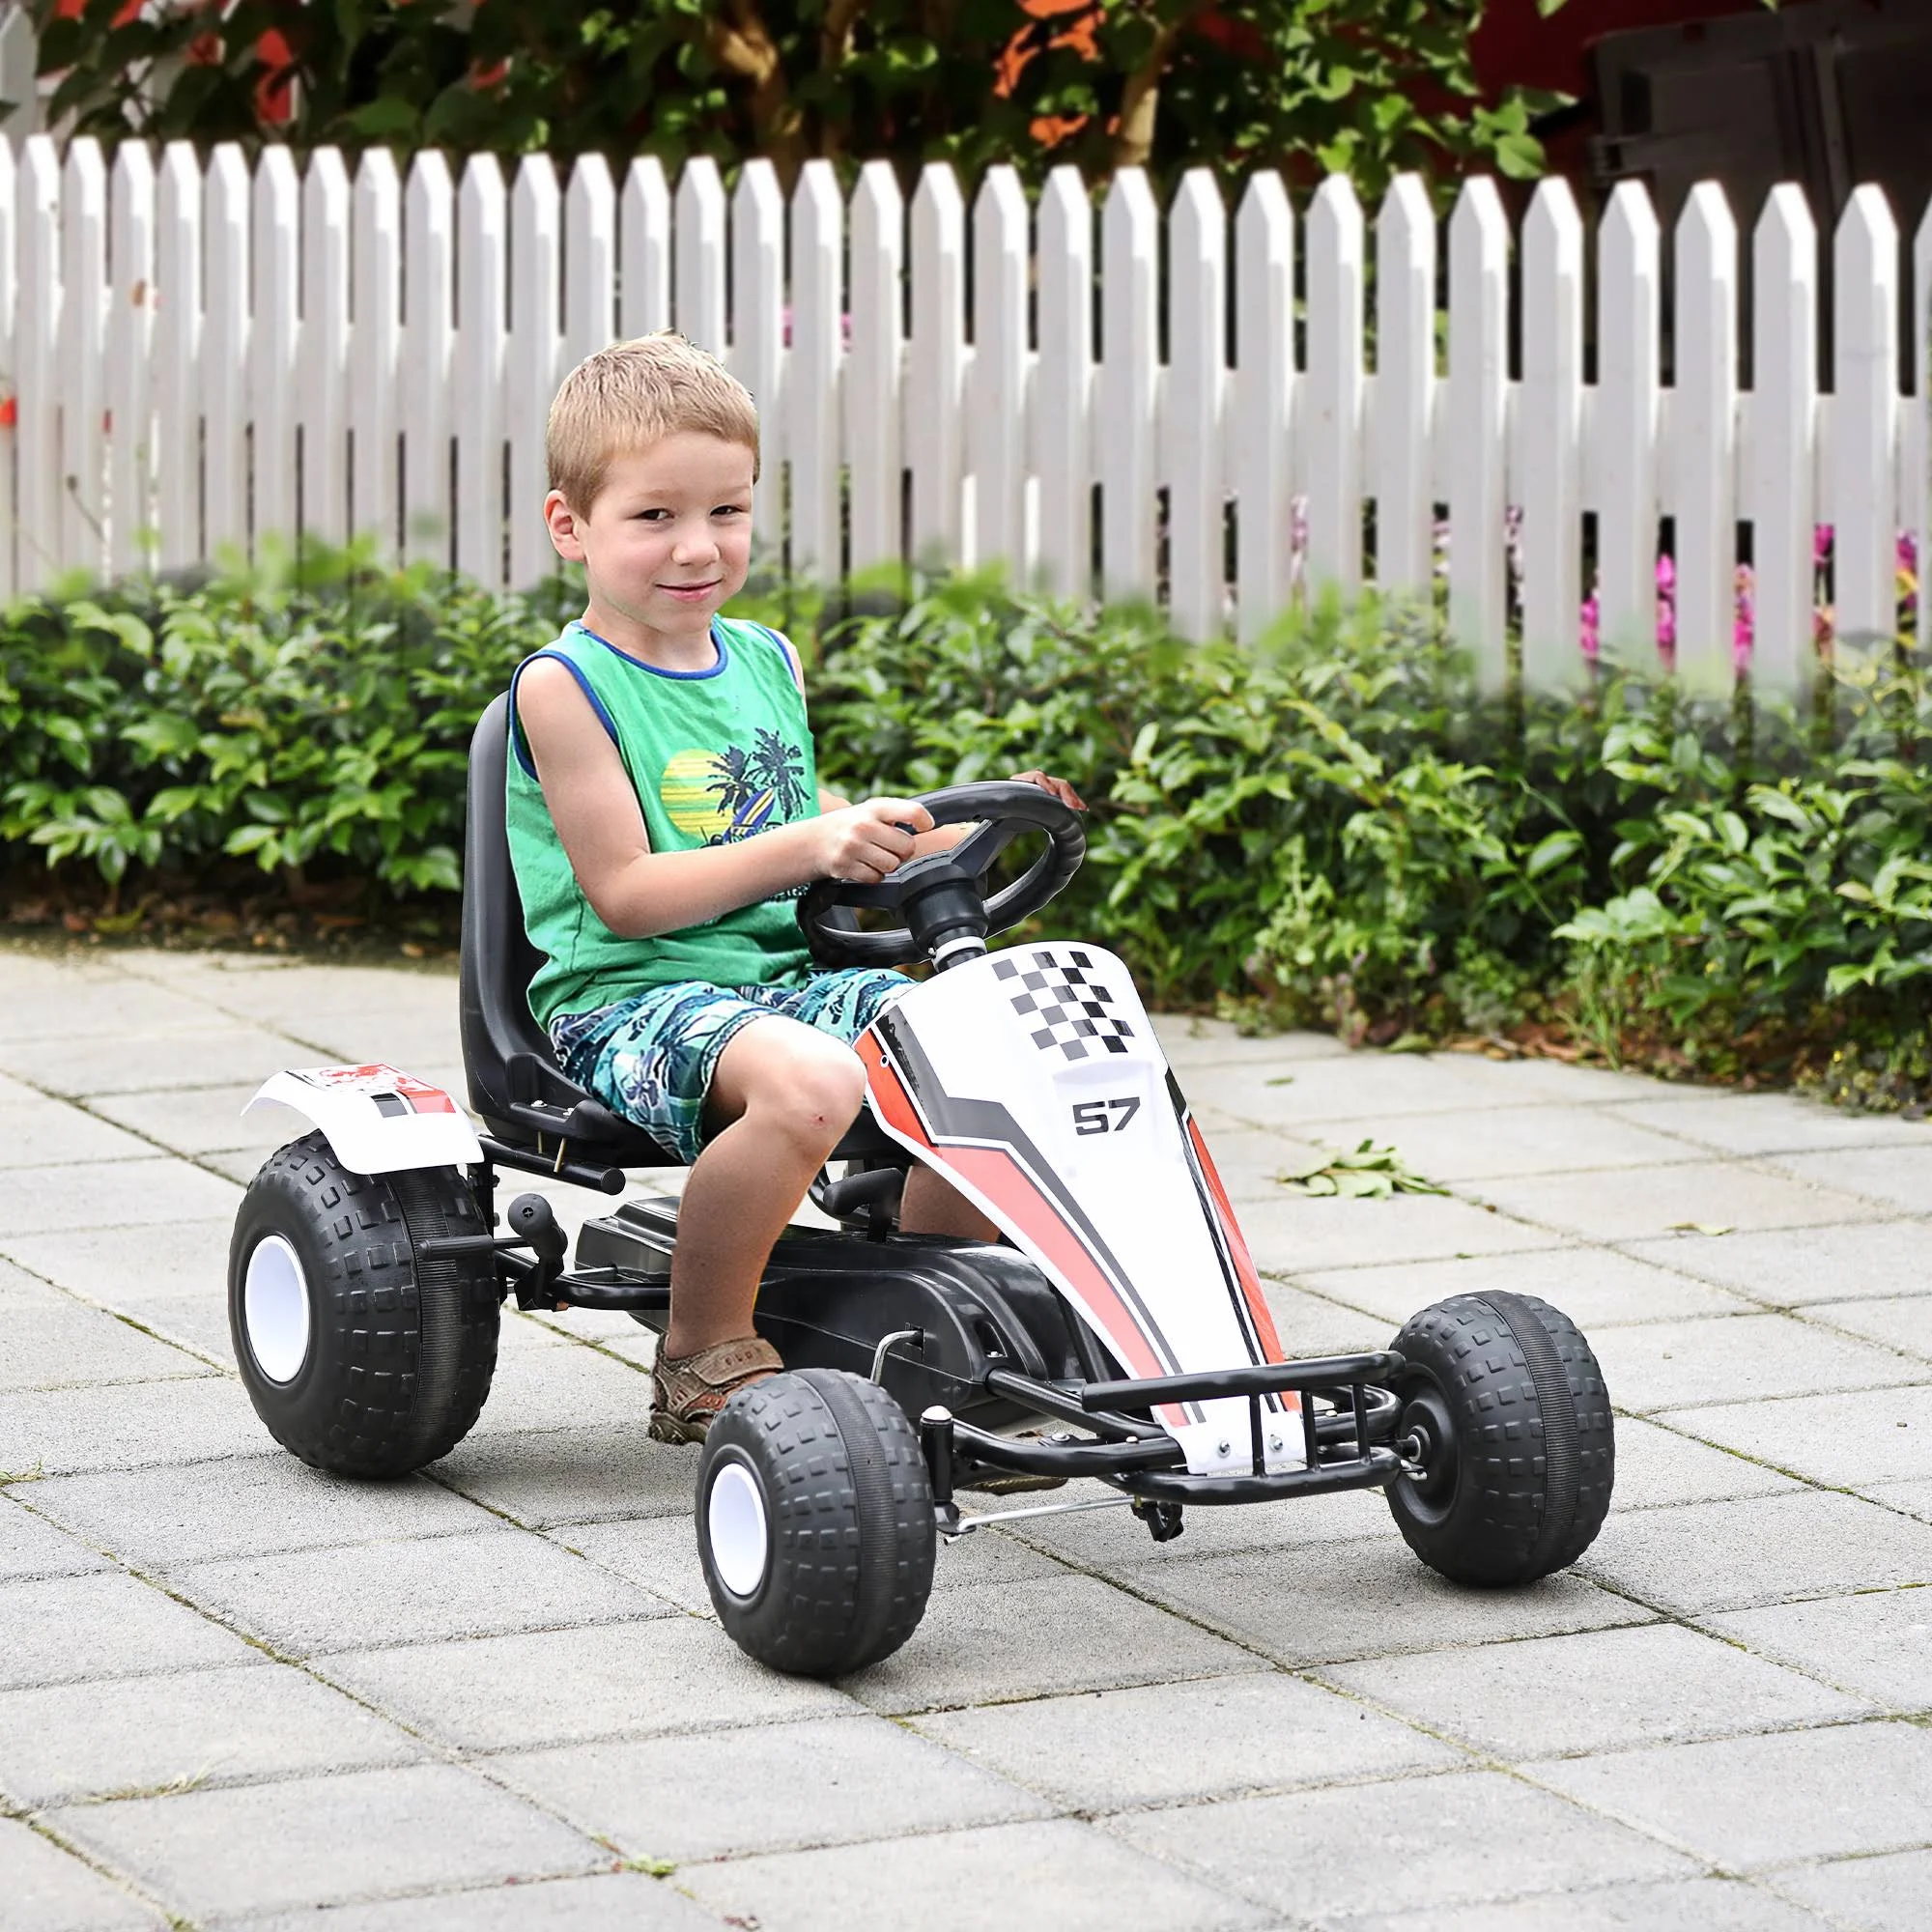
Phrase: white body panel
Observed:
(377, 1120)
(1042, 1058)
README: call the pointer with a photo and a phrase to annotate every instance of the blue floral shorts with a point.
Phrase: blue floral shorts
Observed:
(651, 1058)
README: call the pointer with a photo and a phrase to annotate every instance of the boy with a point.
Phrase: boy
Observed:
(664, 818)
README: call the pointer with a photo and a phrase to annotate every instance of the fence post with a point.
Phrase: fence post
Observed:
(178, 253)
(1916, 431)
(589, 259)
(376, 351)
(643, 304)
(1624, 482)
(81, 360)
(758, 352)
(37, 186)
(1704, 435)
(1063, 383)
(131, 319)
(272, 400)
(323, 350)
(20, 56)
(1196, 475)
(1549, 436)
(1778, 482)
(1865, 382)
(429, 340)
(1125, 430)
(936, 366)
(875, 369)
(1405, 391)
(996, 440)
(698, 246)
(1333, 390)
(1478, 391)
(531, 357)
(224, 351)
(482, 239)
(10, 372)
(812, 411)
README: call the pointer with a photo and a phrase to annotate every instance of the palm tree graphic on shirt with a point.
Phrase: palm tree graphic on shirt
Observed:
(753, 787)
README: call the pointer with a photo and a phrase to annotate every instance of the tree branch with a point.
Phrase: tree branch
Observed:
(1140, 100)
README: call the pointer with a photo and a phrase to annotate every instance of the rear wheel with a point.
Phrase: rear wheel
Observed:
(815, 1522)
(360, 1356)
(1505, 1413)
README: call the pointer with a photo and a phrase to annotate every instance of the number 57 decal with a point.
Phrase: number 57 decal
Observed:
(1092, 1117)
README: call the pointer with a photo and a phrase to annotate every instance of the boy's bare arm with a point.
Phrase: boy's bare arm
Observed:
(944, 838)
(638, 893)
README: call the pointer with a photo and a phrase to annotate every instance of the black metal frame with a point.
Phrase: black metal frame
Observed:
(1349, 1408)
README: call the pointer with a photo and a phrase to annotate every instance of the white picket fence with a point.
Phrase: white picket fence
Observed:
(201, 357)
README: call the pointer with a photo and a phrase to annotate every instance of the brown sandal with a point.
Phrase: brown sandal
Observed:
(688, 1391)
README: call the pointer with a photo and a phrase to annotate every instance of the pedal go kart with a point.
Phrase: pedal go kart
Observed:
(1117, 1332)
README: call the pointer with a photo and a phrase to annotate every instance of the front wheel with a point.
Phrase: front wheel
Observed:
(815, 1522)
(361, 1357)
(1505, 1413)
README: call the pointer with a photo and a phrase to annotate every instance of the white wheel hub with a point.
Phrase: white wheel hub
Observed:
(734, 1515)
(275, 1309)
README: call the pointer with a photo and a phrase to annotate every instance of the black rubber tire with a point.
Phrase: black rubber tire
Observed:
(1524, 1446)
(849, 1528)
(400, 1351)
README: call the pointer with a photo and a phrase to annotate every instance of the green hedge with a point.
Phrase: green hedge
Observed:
(1331, 827)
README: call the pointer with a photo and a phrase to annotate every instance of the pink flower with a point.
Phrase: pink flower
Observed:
(1742, 622)
(1666, 575)
(1821, 546)
(1589, 617)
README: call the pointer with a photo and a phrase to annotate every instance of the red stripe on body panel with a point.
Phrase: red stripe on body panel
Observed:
(1002, 1181)
(1245, 1264)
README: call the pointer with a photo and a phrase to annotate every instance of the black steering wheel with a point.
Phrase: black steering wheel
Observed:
(942, 895)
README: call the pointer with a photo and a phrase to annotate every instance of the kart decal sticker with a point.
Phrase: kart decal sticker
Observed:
(1000, 1163)
(1069, 1009)
(1237, 1267)
(394, 1093)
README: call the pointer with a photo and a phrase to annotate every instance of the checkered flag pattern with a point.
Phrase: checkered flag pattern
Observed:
(1069, 1007)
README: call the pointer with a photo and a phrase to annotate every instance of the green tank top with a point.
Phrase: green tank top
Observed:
(714, 756)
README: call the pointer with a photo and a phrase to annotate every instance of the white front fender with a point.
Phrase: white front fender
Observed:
(377, 1120)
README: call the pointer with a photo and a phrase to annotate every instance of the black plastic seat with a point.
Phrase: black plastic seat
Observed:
(515, 1083)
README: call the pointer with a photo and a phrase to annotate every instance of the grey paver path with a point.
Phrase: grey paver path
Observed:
(237, 1693)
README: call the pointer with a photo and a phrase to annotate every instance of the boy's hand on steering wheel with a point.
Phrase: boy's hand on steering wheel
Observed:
(1058, 787)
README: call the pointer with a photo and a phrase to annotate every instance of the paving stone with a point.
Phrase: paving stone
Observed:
(1294, 1236)
(50, 1133)
(73, 1007)
(1057, 1873)
(403, 1040)
(1904, 1322)
(68, 1431)
(573, 1685)
(1881, 1894)
(1370, 1598)
(1680, 1905)
(1662, 1365)
(19, 1289)
(474, 1585)
(188, 1257)
(1033, 1639)
(1436, 1841)
(50, 1891)
(574, 1475)
(1169, 1743)
(1311, 1325)
(1190, 1040)
(1844, 1440)
(246, 1506)
(1759, 1123)
(1897, 1176)
(609, 1902)
(31, 1547)
(131, 1059)
(68, 1346)
(195, 1323)
(219, 1726)
(284, 991)
(563, 1385)
(1711, 1556)
(1556, 1697)
(777, 1787)
(1877, 1644)
(109, 1194)
(1796, 1266)
(1657, 1467)
(1597, 1287)
(204, 1119)
(1251, 1161)
(660, 1554)
(421, 1825)
(1912, 1499)
(1749, 1802)
(1516, 1141)
(1631, 1203)
(75, 1629)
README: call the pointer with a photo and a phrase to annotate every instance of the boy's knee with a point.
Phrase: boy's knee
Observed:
(818, 1094)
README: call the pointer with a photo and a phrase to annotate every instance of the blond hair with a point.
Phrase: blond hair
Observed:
(635, 393)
